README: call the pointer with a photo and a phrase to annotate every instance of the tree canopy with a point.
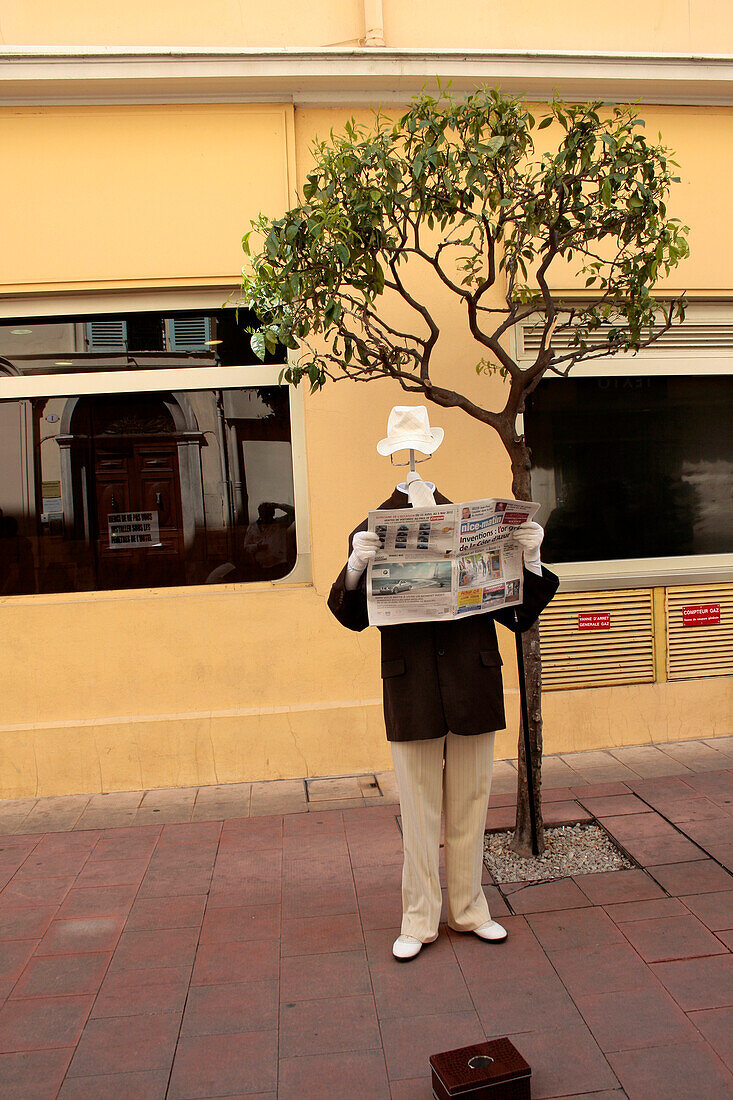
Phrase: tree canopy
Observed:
(464, 187)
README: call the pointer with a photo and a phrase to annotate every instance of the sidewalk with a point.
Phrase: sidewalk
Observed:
(236, 941)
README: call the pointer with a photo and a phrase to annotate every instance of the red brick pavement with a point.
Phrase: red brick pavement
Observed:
(251, 958)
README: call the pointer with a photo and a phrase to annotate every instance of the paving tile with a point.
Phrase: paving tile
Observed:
(378, 880)
(14, 954)
(343, 786)
(172, 883)
(33, 1075)
(698, 983)
(336, 974)
(151, 914)
(81, 936)
(320, 822)
(190, 833)
(283, 796)
(13, 812)
(315, 935)
(635, 1018)
(232, 1007)
(126, 1044)
(610, 967)
(328, 1026)
(697, 809)
(112, 872)
(254, 835)
(714, 909)
(645, 910)
(565, 813)
(313, 900)
(219, 1065)
(611, 887)
(673, 1072)
(655, 850)
(50, 814)
(98, 901)
(502, 1006)
(135, 844)
(664, 938)
(142, 992)
(246, 922)
(613, 805)
(599, 790)
(726, 938)
(358, 1073)
(25, 923)
(648, 761)
(716, 1025)
(387, 785)
(409, 1042)
(564, 1063)
(255, 960)
(417, 1088)
(41, 891)
(574, 928)
(59, 975)
(42, 1023)
(429, 982)
(337, 804)
(543, 897)
(695, 755)
(149, 1085)
(694, 877)
(161, 947)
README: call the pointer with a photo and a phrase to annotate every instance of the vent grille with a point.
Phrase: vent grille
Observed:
(688, 336)
(697, 651)
(622, 654)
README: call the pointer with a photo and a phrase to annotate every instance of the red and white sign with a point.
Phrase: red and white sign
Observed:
(701, 614)
(594, 620)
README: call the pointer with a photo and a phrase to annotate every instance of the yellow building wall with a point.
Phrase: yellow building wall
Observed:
(127, 690)
(671, 26)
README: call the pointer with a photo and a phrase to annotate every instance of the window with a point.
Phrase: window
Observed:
(631, 467)
(140, 450)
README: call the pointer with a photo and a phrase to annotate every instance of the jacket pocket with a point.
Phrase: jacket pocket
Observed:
(491, 658)
(395, 667)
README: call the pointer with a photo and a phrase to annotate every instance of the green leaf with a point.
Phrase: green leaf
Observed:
(257, 343)
(545, 123)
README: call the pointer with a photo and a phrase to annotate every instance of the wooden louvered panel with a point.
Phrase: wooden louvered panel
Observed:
(622, 654)
(189, 333)
(110, 335)
(696, 651)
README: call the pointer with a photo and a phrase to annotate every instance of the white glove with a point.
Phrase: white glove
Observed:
(419, 493)
(364, 548)
(529, 536)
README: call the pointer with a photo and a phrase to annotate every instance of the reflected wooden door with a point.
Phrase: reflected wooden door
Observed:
(133, 477)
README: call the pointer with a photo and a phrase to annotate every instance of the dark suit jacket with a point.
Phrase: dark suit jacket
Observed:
(443, 676)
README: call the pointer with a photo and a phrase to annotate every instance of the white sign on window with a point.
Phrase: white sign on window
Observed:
(128, 529)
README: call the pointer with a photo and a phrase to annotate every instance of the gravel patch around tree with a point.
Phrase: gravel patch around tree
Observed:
(571, 850)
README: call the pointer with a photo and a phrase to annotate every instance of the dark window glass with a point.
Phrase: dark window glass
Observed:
(145, 489)
(632, 467)
(124, 341)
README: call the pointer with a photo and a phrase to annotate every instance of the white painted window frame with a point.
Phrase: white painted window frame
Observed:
(657, 362)
(177, 378)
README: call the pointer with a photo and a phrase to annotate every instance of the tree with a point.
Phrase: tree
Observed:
(457, 187)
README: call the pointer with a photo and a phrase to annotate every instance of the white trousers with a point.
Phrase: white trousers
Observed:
(455, 773)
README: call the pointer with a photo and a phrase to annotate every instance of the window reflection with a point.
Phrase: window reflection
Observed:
(139, 490)
(632, 468)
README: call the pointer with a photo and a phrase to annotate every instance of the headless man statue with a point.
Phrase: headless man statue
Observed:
(443, 702)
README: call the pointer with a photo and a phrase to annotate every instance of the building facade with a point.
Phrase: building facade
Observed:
(172, 517)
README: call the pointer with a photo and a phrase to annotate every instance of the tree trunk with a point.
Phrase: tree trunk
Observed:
(522, 840)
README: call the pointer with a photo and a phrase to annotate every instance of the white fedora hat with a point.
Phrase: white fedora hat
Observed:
(408, 429)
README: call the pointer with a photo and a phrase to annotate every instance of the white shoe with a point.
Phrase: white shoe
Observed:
(406, 947)
(491, 931)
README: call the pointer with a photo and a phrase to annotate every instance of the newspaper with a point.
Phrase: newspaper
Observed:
(446, 561)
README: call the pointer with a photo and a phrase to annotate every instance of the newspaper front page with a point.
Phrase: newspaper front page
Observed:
(445, 561)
